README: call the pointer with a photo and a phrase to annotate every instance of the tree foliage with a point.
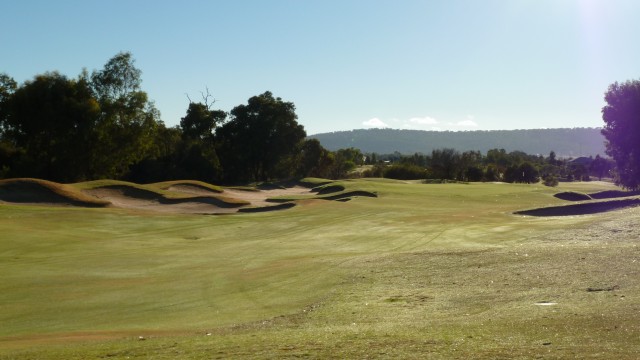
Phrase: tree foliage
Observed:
(258, 136)
(51, 118)
(103, 125)
(128, 121)
(621, 115)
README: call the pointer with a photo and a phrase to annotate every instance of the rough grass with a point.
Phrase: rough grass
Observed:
(438, 271)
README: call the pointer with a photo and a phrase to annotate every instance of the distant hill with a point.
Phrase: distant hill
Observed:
(565, 142)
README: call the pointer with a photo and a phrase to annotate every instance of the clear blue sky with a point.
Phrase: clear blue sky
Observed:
(347, 64)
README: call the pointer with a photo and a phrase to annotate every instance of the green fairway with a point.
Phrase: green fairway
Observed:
(438, 270)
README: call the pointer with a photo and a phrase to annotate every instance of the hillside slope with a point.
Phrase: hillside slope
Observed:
(565, 142)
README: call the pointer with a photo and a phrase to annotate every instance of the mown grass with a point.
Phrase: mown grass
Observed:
(437, 271)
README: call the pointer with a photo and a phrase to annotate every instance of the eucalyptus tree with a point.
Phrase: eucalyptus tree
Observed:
(50, 120)
(128, 120)
(259, 136)
(621, 115)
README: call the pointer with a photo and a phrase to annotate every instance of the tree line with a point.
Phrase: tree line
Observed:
(103, 125)
(495, 165)
(565, 142)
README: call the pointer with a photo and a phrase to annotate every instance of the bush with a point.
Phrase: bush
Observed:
(405, 172)
(377, 171)
(550, 180)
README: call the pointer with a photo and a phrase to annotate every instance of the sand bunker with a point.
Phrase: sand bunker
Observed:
(134, 198)
(262, 197)
(186, 197)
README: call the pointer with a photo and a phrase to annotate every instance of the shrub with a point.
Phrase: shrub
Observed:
(405, 172)
(550, 180)
(377, 171)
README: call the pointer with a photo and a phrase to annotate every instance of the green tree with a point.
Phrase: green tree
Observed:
(342, 163)
(8, 86)
(621, 115)
(444, 163)
(552, 158)
(257, 137)
(525, 173)
(200, 122)
(600, 167)
(468, 166)
(51, 119)
(499, 160)
(7, 148)
(314, 160)
(128, 120)
(162, 163)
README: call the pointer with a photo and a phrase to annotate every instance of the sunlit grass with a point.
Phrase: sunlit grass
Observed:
(439, 270)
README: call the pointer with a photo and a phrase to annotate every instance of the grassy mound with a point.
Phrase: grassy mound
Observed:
(282, 206)
(349, 194)
(24, 190)
(572, 196)
(609, 194)
(314, 182)
(581, 209)
(177, 185)
(328, 189)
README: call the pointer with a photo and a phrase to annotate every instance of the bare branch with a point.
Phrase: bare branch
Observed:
(206, 97)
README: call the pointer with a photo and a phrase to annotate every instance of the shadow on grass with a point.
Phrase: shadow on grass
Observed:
(581, 209)
(284, 206)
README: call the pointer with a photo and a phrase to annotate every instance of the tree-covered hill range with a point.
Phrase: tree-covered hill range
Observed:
(564, 142)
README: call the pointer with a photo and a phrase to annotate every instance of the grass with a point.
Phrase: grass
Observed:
(437, 271)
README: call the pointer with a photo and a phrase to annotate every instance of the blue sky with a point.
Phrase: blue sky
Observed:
(347, 64)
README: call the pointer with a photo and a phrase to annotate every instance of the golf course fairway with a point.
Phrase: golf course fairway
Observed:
(420, 271)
